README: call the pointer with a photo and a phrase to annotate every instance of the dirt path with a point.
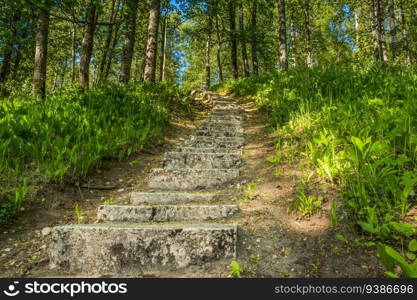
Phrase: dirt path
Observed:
(271, 241)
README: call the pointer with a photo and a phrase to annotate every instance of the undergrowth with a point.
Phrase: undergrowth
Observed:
(63, 138)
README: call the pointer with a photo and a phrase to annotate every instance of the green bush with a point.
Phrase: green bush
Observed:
(357, 127)
(70, 133)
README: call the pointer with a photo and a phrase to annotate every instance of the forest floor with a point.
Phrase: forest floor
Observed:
(272, 241)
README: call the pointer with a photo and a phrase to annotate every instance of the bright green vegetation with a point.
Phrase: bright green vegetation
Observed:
(357, 128)
(63, 138)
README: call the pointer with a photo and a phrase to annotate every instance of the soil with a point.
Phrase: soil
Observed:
(273, 242)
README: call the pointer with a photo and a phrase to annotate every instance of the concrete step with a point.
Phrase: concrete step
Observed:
(214, 142)
(228, 112)
(221, 127)
(164, 213)
(178, 160)
(219, 133)
(190, 179)
(209, 150)
(157, 198)
(130, 249)
(220, 117)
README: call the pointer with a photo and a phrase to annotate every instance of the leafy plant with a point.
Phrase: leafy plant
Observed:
(248, 193)
(391, 258)
(79, 213)
(235, 269)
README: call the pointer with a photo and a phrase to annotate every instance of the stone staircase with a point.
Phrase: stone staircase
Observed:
(175, 224)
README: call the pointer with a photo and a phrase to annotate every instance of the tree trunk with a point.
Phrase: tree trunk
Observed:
(393, 29)
(129, 42)
(283, 56)
(87, 44)
(152, 43)
(107, 43)
(406, 43)
(379, 31)
(73, 51)
(41, 54)
(219, 49)
(294, 61)
(162, 64)
(5, 66)
(307, 30)
(233, 40)
(208, 49)
(243, 33)
(112, 50)
(254, 43)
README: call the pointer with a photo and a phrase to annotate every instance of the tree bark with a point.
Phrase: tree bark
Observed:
(254, 43)
(283, 54)
(379, 31)
(208, 49)
(152, 43)
(162, 65)
(406, 43)
(129, 44)
(245, 59)
(307, 29)
(41, 54)
(219, 49)
(393, 28)
(107, 43)
(87, 45)
(112, 49)
(73, 51)
(233, 40)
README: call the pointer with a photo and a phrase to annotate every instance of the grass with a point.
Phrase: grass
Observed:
(355, 127)
(65, 137)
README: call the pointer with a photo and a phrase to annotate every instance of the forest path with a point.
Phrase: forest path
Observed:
(270, 242)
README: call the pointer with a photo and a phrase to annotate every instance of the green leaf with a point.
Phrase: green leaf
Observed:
(411, 256)
(386, 260)
(367, 227)
(391, 275)
(412, 246)
(342, 238)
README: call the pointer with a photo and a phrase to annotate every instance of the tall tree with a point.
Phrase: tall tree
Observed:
(152, 42)
(393, 28)
(41, 53)
(283, 55)
(233, 40)
(307, 31)
(208, 46)
(164, 40)
(219, 49)
(131, 15)
(245, 59)
(377, 14)
(88, 43)
(254, 43)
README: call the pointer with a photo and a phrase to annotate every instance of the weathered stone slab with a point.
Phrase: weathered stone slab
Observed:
(214, 142)
(219, 133)
(190, 179)
(238, 118)
(129, 249)
(221, 127)
(209, 150)
(228, 112)
(138, 198)
(164, 213)
(178, 160)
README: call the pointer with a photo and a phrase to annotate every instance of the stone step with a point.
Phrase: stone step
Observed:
(209, 150)
(131, 249)
(178, 160)
(139, 198)
(164, 213)
(223, 123)
(228, 112)
(215, 142)
(190, 179)
(226, 118)
(221, 127)
(215, 134)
